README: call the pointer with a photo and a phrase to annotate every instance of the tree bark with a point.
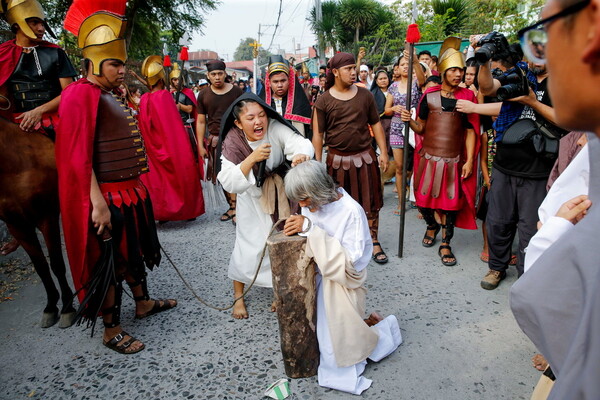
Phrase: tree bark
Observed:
(295, 294)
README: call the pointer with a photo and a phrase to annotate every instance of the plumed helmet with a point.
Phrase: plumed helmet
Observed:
(18, 11)
(101, 38)
(176, 72)
(152, 70)
(450, 56)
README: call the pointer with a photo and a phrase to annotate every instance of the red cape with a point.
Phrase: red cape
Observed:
(10, 53)
(174, 179)
(74, 150)
(466, 218)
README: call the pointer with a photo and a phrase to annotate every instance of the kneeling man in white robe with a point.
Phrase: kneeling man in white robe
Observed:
(339, 241)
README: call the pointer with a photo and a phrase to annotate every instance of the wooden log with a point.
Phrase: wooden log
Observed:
(295, 293)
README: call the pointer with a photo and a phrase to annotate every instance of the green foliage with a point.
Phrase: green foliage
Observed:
(244, 52)
(149, 21)
(454, 13)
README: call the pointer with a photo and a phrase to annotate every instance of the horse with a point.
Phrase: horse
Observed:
(29, 200)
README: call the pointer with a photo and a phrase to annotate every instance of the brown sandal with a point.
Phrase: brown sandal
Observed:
(113, 343)
(157, 308)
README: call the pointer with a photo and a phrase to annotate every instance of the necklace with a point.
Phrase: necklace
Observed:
(449, 94)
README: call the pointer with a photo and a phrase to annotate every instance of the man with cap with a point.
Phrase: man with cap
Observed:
(34, 72)
(212, 103)
(445, 152)
(341, 121)
(174, 177)
(284, 93)
(185, 100)
(106, 211)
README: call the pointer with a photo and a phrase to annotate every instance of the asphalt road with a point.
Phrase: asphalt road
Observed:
(460, 341)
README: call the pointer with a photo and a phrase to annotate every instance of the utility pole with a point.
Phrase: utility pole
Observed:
(320, 39)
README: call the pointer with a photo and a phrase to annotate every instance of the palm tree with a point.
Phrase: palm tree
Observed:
(326, 30)
(357, 15)
(455, 10)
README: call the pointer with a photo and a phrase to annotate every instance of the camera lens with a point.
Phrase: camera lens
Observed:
(509, 91)
(485, 53)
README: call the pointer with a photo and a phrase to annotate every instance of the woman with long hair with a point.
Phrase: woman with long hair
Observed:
(395, 103)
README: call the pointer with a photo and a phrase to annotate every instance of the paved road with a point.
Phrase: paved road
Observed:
(460, 342)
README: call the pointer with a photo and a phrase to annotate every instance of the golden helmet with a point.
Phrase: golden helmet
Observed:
(152, 70)
(101, 38)
(450, 55)
(305, 68)
(176, 72)
(18, 11)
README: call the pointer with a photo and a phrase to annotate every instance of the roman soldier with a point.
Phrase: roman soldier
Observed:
(445, 152)
(107, 215)
(34, 72)
(186, 105)
(174, 177)
(284, 93)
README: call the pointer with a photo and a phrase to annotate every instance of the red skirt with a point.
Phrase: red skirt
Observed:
(438, 182)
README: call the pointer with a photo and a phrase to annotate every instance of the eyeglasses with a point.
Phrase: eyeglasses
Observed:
(534, 37)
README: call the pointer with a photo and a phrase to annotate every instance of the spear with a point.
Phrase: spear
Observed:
(412, 36)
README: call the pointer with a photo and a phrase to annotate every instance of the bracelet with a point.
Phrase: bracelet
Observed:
(309, 225)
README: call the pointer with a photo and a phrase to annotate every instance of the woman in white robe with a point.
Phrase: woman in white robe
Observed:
(251, 133)
(339, 240)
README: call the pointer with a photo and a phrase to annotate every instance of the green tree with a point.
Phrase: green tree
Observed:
(147, 19)
(244, 52)
(454, 13)
(326, 29)
(357, 15)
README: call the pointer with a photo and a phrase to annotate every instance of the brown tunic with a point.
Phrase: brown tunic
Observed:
(213, 106)
(351, 159)
(345, 123)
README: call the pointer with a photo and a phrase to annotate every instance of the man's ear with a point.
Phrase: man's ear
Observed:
(591, 52)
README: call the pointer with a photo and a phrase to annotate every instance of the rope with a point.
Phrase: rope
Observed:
(200, 299)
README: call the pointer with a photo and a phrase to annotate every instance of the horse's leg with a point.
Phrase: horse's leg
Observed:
(50, 228)
(28, 239)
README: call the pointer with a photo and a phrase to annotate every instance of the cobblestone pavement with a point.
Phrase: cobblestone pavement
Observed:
(460, 341)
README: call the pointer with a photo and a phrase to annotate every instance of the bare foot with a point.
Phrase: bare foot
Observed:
(239, 309)
(419, 215)
(9, 247)
(539, 362)
(274, 306)
(374, 319)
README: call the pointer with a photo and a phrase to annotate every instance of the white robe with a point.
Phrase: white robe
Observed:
(574, 181)
(253, 224)
(343, 227)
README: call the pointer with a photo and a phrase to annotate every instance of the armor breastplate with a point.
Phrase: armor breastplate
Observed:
(119, 152)
(444, 133)
(180, 97)
(35, 79)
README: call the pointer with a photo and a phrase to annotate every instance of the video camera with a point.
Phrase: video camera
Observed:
(492, 46)
(514, 85)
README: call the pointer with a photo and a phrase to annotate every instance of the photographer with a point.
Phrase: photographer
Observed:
(524, 157)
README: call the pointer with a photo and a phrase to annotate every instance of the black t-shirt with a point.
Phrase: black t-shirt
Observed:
(181, 98)
(522, 159)
(447, 105)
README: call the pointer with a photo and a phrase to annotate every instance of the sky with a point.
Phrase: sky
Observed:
(235, 20)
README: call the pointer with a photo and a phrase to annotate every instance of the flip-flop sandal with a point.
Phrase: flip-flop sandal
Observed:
(113, 343)
(376, 255)
(226, 216)
(157, 308)
(445, 257)
(431, 238)
(485, 257)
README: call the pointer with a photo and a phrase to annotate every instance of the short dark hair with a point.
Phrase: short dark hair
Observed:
(434, 59)
(424, 52)
(434, 79)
